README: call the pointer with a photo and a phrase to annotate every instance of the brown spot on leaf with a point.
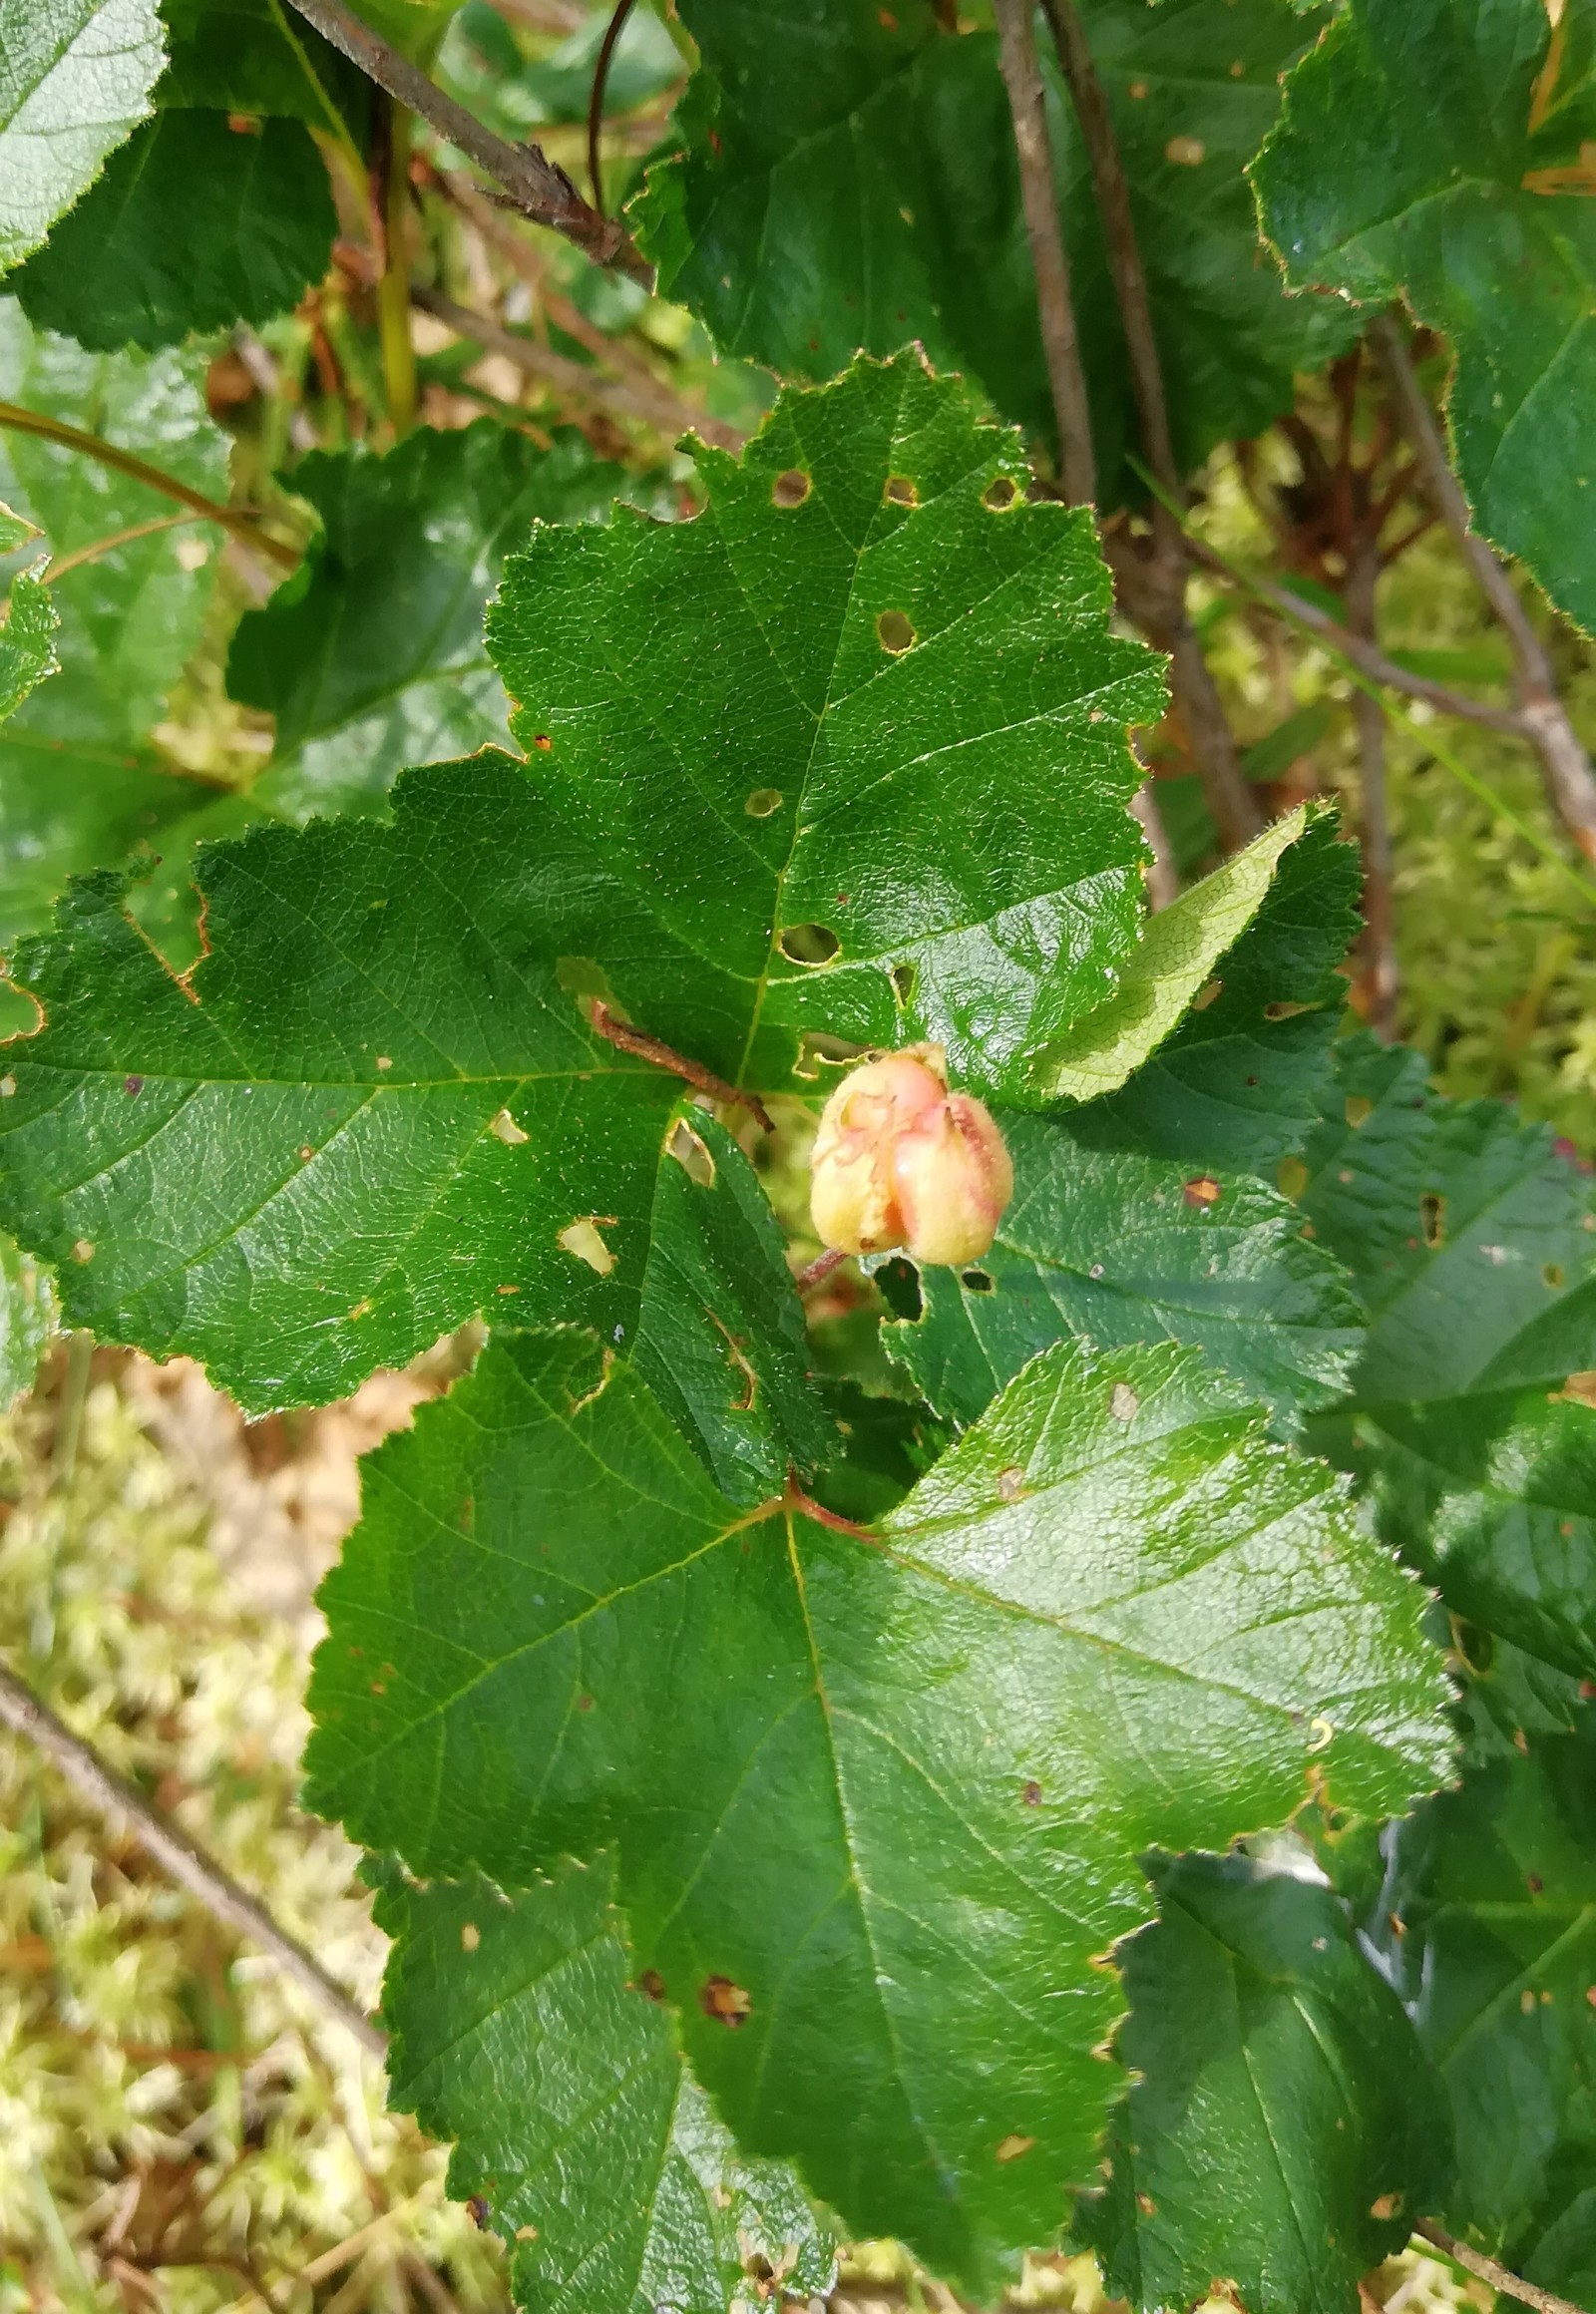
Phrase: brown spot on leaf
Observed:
(480, 2212)
(1202, 1190)
(900, 490)
(1385, 2205)
(132, 1086)
(1146, 2204)
(652, 1983)
(895, 631)
(1013, 2146)
(1010, 1485)
(727, 2003)
(1031, 1795)
(83, 1250)
(1124, 1403)
(543, 743)
(384, 1060)
(1433, 1219)
(1186, 151)
(469, 1936)
(1358, 1110)
(791, 488)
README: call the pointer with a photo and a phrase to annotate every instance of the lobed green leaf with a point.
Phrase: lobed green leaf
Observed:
(879, 1794)
(74, 77)
(515, 2031)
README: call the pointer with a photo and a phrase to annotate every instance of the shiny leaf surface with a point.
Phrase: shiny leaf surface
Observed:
(878, 1795)
(516, 2031)
(1117, 1248)
(1286, 2128)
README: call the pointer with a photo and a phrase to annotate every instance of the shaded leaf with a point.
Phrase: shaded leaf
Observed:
(1472, 1416)
(1439, 149)
(1242, 1078)
(74, 76)
(80, 784)
(1286, 2128)
(1173, 961)
(141, 261)
(374, 657)
(878, 1797)
(1485, 1922)
(246, 56)
(1117, 1248)
(846, 178)
(514, 2031)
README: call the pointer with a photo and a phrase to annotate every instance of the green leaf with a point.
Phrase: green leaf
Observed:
(1175, 959)
(878, 1795)
(373, 657)
(27, 1318)
(80, 784)
(27, 640)
(1435, 149)
(420, 1124)
(258, 57)
(1485, 1923)
(1116, 1247)
(15, 531)
(515, 2031)
(1242, 1079)
(846, 178)
(856, 736)
(141, 261)
(1286, 2128)
(74, 76)
(1470, 1417)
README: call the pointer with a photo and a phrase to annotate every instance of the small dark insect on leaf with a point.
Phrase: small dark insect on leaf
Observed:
(480, 2212)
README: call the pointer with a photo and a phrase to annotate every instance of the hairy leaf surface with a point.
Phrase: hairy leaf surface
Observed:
(1286, 2128)
(1119, 1248)
(515, 2033)
(1471, 1415)
(74, 76)
(143, 260)
(878, 1795)
(1441, 150)
(846, 178)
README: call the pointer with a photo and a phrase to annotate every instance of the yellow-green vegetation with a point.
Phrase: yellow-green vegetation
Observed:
(179, 2127)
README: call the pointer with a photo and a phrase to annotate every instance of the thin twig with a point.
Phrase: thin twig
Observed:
(1475, 2262)
(1368, 720)
(596, 99)
(669, 410)
(59, 564)
(645, 1047)
(1295, 610)
(1163, 877)
(539, 187)
(1061, 341)
(241, 521)
(1152, 578)
(390, 202)
(1112, 191)
(622, 397)
(1366, 656)
(1570, 782)
(188, 1863)
(816, 1272)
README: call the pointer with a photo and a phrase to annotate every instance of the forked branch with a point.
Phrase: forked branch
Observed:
(537, 186)
(1499, 2277)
